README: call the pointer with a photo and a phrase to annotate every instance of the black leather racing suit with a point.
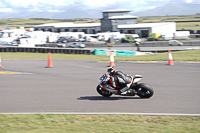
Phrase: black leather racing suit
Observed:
(122, 80)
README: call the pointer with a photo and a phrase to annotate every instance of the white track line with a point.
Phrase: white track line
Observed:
(100, 113)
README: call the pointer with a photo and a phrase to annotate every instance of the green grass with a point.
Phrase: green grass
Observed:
(183, 20)
(189, 55)
(188, 28)
(180, 18)
(50, 123)
(188, 23)
(30, 22)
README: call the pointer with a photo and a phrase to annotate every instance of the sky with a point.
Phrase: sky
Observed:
(60, 5)
(90, 6)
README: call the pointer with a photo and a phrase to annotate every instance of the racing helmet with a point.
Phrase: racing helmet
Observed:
(111, 70)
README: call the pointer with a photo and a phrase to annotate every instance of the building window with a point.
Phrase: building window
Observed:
(58, 30)
(93, 31)
(75, 30)
(121, 31)
(131, 31)
(84, 30)
(105, 15)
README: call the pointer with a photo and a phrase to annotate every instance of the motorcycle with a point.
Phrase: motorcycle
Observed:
(141, 89)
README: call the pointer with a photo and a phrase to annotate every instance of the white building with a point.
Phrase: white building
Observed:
(112, 18)
(88, 28)
(113, 21)
(143, 29)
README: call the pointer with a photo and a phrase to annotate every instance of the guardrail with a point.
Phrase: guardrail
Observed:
(158, 51)
(45, 50)
(143, 44)
(157, 44)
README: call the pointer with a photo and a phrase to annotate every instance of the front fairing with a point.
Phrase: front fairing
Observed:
(100, 81)
(103, 78)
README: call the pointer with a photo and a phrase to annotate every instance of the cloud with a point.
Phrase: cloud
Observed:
(85, 5)
(27, 3)
(88, 3)
(98, 3)
(6, 10)
(189, 1)
(55, 11)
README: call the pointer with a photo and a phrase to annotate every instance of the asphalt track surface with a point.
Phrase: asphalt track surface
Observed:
(70, 87)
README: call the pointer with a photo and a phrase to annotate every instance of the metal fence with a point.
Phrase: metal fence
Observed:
(158, 44)
(51, 47)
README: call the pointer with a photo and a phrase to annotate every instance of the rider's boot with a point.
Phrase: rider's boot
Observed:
(110, 87)
(122, 91)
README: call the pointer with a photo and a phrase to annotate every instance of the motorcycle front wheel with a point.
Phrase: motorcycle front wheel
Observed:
(144, 90)
(103, 91)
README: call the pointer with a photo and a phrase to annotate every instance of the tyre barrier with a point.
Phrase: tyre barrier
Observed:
(45, 50)
(158, 51)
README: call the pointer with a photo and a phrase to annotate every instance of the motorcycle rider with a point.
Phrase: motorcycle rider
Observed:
(119, 80)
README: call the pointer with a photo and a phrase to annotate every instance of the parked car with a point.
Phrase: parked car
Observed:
(62, 45)
(72, 40)
(4, 43)
(82, 39)
(76, 45)
(62, 40)
(175, 42)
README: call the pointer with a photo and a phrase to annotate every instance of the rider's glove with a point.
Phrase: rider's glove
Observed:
(103, 83)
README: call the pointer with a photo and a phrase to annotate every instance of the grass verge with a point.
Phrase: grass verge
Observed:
(50, 123)
(189, 55)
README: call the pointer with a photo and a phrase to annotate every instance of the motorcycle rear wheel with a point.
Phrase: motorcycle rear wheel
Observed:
(144, 90)
(103, 91)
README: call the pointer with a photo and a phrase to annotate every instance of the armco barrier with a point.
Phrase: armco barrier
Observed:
(45, 50)
(157, 44)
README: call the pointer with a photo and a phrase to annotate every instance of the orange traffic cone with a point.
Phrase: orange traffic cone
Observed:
(50, 64)
(112, 62)
(170, 59)
(0, 63)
